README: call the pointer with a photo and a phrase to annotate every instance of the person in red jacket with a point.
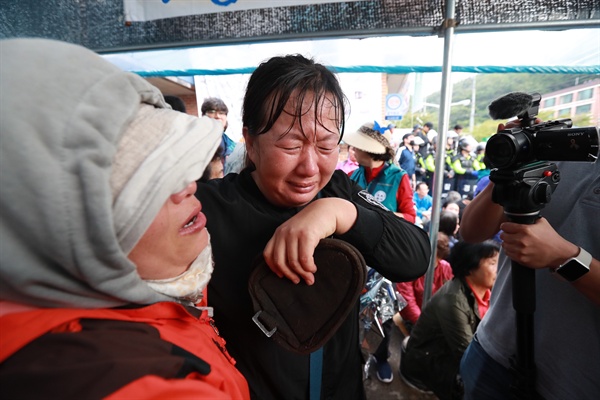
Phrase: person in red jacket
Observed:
(413, 291)
(105, 253)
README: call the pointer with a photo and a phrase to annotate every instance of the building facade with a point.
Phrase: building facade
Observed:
(583, 99)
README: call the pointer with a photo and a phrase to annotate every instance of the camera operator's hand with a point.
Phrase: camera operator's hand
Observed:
(540, 246)
(537, 245)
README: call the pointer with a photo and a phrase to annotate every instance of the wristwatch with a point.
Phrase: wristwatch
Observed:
(574, 268)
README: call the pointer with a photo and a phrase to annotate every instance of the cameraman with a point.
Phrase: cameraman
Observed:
(567, 318)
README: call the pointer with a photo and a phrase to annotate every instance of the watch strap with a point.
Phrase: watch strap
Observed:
(575, 267)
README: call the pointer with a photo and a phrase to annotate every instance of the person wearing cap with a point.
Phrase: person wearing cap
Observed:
(428, 163)
(449, 183)
(406, 138)
(105, 253)
(481, 162)
(420, 171)
(287, 198)
(418, 132)
(388, 183)
(429, 131)
(465, 168)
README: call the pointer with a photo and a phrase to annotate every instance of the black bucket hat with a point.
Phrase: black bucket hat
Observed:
(302, 318)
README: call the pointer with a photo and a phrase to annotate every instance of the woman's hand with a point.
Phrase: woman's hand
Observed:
(290, 251)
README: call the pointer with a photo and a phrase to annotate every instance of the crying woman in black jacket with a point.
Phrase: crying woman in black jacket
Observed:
(281, 205)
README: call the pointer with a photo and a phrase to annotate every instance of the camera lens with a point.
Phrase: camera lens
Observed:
(502, 150)
(508, 148)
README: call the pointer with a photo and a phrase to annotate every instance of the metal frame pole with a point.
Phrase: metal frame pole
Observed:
(438, 178)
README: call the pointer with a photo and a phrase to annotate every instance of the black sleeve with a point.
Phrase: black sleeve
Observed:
(398, 249)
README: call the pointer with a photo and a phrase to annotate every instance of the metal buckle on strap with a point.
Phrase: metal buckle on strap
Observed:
(262, 327)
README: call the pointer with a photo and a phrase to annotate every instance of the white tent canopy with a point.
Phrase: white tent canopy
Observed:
(570, 51)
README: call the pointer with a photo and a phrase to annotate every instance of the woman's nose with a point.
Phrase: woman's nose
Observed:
(187, 191)
(309, 162)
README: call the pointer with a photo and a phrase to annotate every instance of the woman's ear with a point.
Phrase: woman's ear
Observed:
(249, 140)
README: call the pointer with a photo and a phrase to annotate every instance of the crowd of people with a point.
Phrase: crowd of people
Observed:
(434, 345)
(464, 162)
(130, 229)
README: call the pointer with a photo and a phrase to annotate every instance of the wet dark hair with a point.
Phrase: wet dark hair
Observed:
(213, 103)
(465, 257)
(271, 85)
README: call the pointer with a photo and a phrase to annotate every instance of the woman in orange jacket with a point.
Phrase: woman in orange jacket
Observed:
(105, 253)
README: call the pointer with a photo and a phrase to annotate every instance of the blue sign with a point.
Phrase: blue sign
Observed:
(394, 107)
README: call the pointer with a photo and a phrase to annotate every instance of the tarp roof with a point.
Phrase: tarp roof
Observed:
(102, 26)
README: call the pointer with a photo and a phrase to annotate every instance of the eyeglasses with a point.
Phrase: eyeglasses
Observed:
(215, 112)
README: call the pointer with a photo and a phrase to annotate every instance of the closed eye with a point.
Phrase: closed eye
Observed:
(328, 149)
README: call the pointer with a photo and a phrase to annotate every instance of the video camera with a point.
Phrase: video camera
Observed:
(546, 141)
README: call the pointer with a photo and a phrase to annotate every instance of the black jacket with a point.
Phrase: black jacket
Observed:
(440, 337)
(241, 222)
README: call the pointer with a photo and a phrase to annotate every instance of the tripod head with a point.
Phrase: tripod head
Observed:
(525, 190)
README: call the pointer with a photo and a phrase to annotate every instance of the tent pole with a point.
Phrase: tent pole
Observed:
(438, 177)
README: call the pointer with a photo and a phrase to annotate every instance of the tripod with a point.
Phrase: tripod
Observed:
(523, 192)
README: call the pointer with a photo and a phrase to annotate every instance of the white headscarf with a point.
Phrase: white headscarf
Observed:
(88, 156)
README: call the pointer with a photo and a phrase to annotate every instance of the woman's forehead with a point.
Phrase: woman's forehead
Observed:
(309, 121)
(302, 102)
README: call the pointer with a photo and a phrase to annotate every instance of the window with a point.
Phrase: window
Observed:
(583, 109)
(585, 94)
(565, 112)
(567, 98)
(550, 102)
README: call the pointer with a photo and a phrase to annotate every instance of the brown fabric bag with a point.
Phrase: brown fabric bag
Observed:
(303, 318)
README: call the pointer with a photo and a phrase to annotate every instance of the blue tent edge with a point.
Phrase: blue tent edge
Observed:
(486, 69)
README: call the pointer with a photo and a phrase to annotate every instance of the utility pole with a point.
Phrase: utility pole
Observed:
(472, 115)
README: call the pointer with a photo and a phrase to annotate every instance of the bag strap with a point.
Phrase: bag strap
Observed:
(316, 373)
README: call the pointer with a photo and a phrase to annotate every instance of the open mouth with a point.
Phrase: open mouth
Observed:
(191, 221)
(195, 223)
